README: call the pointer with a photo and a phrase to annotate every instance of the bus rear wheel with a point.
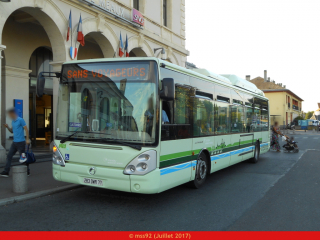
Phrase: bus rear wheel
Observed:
(256, 155)
(201, 172)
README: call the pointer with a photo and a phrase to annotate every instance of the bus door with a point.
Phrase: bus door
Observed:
(176, 139)
(203, 123)
(246, 146)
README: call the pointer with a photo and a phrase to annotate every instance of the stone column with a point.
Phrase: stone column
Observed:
(2, 149)
(16, 87)
(56, 68)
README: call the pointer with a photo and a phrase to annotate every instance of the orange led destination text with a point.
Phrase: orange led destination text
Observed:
(119, 72)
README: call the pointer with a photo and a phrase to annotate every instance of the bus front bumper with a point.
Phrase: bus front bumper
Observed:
(109, 178)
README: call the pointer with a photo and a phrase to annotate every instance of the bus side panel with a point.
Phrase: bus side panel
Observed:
(235, 156)
(221, 152)
(200, 144)
(265, 144)
(175, 163)
(176, 175)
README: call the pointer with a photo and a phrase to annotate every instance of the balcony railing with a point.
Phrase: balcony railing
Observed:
(294, 107)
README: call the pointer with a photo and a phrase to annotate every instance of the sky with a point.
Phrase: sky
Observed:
(246, 37)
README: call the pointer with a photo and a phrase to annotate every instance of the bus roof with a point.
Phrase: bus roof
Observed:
(228, 80)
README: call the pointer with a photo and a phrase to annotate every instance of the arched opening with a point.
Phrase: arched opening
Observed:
(40, 108)
(30, 49)
(137, 52)
(96, 46)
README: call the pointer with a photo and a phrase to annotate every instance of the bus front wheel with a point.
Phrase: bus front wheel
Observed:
(256, 155)
(201, 172)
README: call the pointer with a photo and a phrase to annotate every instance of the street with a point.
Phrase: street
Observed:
(280, 192)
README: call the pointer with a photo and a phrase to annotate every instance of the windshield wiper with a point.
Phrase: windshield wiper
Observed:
(137, 147)
(70, 136)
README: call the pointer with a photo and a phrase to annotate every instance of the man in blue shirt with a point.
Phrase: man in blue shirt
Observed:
(165, 118)
(19, 141)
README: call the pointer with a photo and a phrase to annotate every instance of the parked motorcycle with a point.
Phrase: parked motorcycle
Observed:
(290, 127)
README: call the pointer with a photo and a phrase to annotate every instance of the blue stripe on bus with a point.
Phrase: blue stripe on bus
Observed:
(187, 165)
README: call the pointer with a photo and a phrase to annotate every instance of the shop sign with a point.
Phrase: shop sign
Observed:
(137, 17)
(116, 10)
(107, 6)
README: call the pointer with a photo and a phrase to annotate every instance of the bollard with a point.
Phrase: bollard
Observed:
(19, 179)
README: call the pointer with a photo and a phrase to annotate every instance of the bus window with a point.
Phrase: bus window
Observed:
(256, 119)
(87, 110)
(221, 118)
(203, 118)
(238, 122)
(182, 112)
(264, 115)
(178, 112)
(249, 119)
(104, 114)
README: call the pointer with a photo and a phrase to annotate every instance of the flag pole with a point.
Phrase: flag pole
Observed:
(71, 27)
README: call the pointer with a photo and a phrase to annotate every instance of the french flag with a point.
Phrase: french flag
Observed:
(80, 38)
(69, 27)
(126, 48)
(121, 47)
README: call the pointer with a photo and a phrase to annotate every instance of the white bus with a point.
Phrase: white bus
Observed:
(144, 125)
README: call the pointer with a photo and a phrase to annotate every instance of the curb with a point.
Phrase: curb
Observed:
(16, 163)
(29, 196)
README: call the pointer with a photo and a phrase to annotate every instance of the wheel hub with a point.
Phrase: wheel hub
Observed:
(202, 169)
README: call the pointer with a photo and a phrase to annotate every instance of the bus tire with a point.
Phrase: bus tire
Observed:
(201, 171)
(256, 155)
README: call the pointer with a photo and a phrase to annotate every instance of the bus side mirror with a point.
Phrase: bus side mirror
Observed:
(168, 89)
(41, 80)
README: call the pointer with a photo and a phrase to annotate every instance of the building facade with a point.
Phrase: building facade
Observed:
(33, 38)
(285, 105)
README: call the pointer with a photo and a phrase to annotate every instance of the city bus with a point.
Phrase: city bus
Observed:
(145, 125)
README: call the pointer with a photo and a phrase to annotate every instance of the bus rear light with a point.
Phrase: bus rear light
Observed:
(142, 164)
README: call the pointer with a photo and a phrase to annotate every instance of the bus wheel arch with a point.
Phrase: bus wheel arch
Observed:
(202, 172)
(207, 154)
(256, 153)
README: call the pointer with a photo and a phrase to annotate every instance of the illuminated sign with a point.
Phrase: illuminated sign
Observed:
(110, 73)
(137, 17)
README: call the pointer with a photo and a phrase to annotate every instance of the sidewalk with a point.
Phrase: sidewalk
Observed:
(40, 180)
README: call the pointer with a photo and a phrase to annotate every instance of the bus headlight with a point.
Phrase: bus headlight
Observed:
(142, 164)
(57, 156)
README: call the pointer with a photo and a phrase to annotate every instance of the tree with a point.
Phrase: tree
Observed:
(296, 120)
(309, 115)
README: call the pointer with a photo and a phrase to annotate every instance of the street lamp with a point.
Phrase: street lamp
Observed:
(162, 51)
(5, 0)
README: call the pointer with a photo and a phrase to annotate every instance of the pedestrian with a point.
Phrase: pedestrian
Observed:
(19, 141)
(275, 137)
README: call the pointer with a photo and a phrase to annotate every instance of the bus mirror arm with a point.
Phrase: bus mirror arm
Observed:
(41, 80)
(168, 89)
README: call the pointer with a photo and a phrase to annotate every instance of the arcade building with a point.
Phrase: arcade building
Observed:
(33, 39)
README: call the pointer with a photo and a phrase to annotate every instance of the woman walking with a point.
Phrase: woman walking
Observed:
(275, 137)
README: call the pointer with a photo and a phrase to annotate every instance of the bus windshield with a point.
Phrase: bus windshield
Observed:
(109, 102)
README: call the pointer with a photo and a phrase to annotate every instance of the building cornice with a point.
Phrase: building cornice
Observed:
(17, 72)
(282, 90)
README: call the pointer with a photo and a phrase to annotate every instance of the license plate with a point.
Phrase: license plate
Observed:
(91, 181)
